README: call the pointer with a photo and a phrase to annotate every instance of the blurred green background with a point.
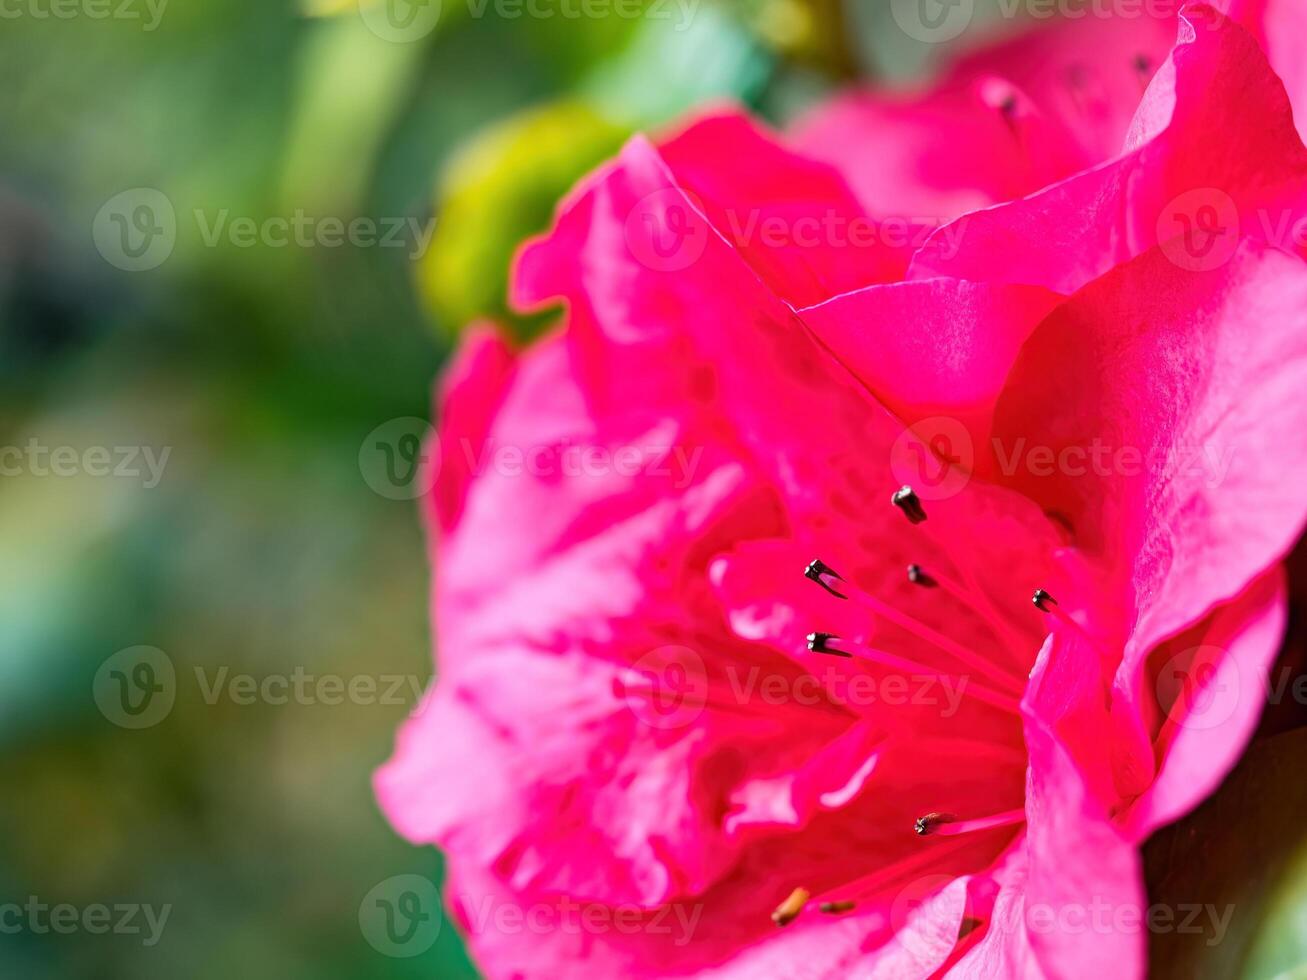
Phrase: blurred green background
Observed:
(265, 547)
(156, 297)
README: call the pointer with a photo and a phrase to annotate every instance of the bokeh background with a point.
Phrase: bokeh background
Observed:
(279, 538)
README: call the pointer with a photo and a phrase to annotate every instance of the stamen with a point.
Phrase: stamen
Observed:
(934, 637)
(789, 909)
(883, 878)
(947, 825)
(906, 500)
(836, 646)
(837, 908)
(820, 643)
(926, 824)
(972, 596)
(918, 576)
(823, 575)
(1046, 603)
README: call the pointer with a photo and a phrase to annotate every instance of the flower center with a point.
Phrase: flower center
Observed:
(1000, 691)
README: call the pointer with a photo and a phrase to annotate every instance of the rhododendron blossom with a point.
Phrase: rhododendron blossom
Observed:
(864, 690)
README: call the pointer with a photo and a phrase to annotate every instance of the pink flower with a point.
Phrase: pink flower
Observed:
(658, 730)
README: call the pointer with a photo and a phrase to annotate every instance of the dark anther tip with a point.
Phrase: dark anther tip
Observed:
(819, 572)
(917, 576)
(819, 643)
(1043, 600)
(926, 824)
(906, 500)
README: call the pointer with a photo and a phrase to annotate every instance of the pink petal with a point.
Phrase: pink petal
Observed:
(1007, 119)
(1229, 660)
(1174, 175)
(1188, 383)
(936, 347)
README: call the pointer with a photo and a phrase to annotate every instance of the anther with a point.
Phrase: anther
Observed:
(823, 574)
(906, 500)
(836, 908)
(820, 643)
(789, 909)
(1043, 600)
(1143, 63)
(947, 825)
(917, 576)
(926, 825)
